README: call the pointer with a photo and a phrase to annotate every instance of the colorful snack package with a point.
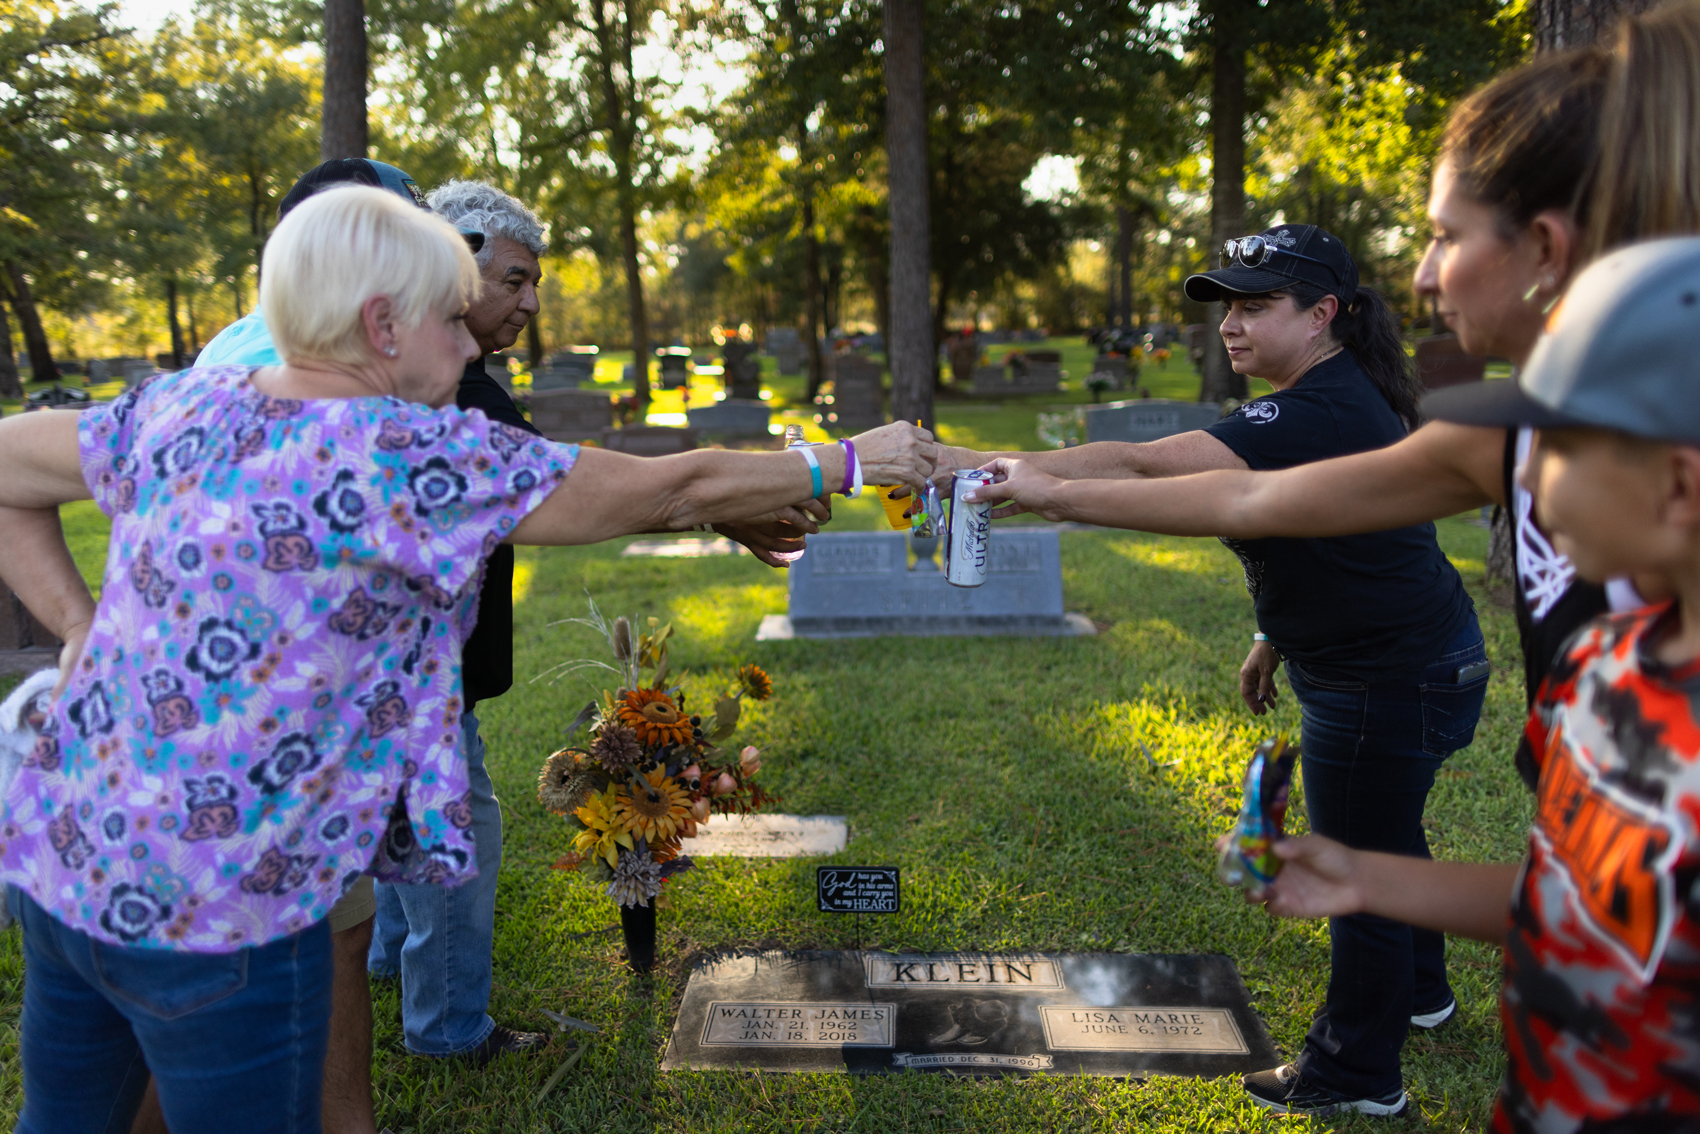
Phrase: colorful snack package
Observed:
(1249, 858)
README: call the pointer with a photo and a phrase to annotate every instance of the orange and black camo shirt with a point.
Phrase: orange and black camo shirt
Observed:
(1601, 1000)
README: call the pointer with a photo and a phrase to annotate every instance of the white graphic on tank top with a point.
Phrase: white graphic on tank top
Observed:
(1543, 573)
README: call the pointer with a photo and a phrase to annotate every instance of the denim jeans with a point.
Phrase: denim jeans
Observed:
(1371, 750)
(439, 938)
(235, 1041)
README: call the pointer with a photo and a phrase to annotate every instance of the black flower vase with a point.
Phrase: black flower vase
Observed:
(638, 925)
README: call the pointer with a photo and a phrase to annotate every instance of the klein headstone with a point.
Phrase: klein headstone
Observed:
(860, 585)
(770, 836)
(857, 396)
(571, 415)
(1109, 1014)
(731, 418)
(1148, 419)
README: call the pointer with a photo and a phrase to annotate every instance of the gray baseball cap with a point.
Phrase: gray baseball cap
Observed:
(1621, 351)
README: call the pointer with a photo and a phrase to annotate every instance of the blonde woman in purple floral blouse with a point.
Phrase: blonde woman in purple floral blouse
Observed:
(266, 701)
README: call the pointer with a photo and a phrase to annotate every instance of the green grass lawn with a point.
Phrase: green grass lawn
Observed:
(1007, 777)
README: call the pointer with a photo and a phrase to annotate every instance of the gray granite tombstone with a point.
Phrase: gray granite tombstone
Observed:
(857, 396)
(1110, 1014)
(991, 379)
(731, 418)
(1148, 419)
(649, 440)
(675, 367)
(571, 415)
(786, 346)
(860, 585)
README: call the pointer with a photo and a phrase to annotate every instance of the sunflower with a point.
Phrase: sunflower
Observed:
(563, 784)
(656, 810)
(652, 715)
(603, 832)
(617, 749)
(757, 685)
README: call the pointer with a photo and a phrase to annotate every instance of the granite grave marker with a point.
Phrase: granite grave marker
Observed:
(860, 585)
(1148, 419)
(1110, 1014)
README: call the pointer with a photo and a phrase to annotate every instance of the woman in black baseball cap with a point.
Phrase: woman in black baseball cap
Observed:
(1380, 639)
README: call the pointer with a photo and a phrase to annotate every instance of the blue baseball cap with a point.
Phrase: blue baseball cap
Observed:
(364, 171)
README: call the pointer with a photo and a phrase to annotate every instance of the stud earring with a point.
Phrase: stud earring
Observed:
(392, 352)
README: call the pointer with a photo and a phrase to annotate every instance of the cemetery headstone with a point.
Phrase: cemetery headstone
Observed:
(1148, 419)
(731, 418)
(675, 367)
(570, 414)
(1035, 372)
(25, 644)
(786, 346)
(649, 440)
(1109, 1014)
(857, 395)
(770, 836)
(742, 373)
(860, 585)
(1442, 362)
(991, 380)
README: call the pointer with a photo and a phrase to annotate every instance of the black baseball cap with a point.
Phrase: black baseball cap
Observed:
(1617, 353)
(1291, 253)
(363, 171)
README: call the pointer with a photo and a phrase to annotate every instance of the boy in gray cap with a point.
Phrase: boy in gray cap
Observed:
(1601, 921)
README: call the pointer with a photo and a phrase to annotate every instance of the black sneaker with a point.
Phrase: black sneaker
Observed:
(1428, 1021)
(503, 1041)
(1283, 1090)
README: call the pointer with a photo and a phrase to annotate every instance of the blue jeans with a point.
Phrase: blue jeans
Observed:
(1371, 750)
(440, 937)
(235, 1041)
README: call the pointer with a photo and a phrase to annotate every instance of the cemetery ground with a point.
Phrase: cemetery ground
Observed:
(1039, 794)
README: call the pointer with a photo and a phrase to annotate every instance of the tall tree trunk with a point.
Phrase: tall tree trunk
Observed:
(236, 294)
(534, 341)
(1576, 23)
(176, 327)
(35, 339)
(811, 286)
(11, 386)
(1227, 189)
(910, 347)
(614, 47)
(343, 122)
(194, 329)
(1124, 264)
(835, 290)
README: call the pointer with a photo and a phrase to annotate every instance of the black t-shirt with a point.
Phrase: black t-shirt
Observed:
(487, 659)
(1369, 607)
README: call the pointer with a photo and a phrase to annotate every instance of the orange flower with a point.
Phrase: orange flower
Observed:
(655, 808)
(653, 716)
(757, 685)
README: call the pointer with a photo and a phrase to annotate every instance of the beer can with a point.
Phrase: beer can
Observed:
(970, 532)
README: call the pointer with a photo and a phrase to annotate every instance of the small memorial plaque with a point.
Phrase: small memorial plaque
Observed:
(857, 889)
(799, 1024)
(1142, 1029)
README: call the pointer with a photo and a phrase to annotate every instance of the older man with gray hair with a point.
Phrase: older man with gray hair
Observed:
(439, 938)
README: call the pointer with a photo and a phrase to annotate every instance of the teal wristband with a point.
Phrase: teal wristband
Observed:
(814, 470)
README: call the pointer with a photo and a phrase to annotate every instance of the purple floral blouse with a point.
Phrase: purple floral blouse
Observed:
(269, 701)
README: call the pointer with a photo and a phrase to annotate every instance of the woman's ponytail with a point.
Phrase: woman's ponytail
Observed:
(1370, 331)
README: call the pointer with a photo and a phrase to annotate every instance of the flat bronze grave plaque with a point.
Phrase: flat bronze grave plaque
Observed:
(870, 1012)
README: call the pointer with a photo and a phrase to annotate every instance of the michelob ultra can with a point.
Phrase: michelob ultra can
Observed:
(970, 532)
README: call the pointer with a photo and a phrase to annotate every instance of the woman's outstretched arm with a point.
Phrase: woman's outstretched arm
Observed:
(1439, 470)
(39, 470)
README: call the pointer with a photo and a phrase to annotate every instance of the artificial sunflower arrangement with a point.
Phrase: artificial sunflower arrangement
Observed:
(651, 771)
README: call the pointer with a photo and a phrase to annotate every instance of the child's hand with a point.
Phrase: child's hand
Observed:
(1320, 879)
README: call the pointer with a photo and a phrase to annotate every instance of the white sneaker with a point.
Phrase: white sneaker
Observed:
(1428, 1021)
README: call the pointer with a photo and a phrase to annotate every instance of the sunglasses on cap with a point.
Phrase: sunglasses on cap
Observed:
(1255, 252)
